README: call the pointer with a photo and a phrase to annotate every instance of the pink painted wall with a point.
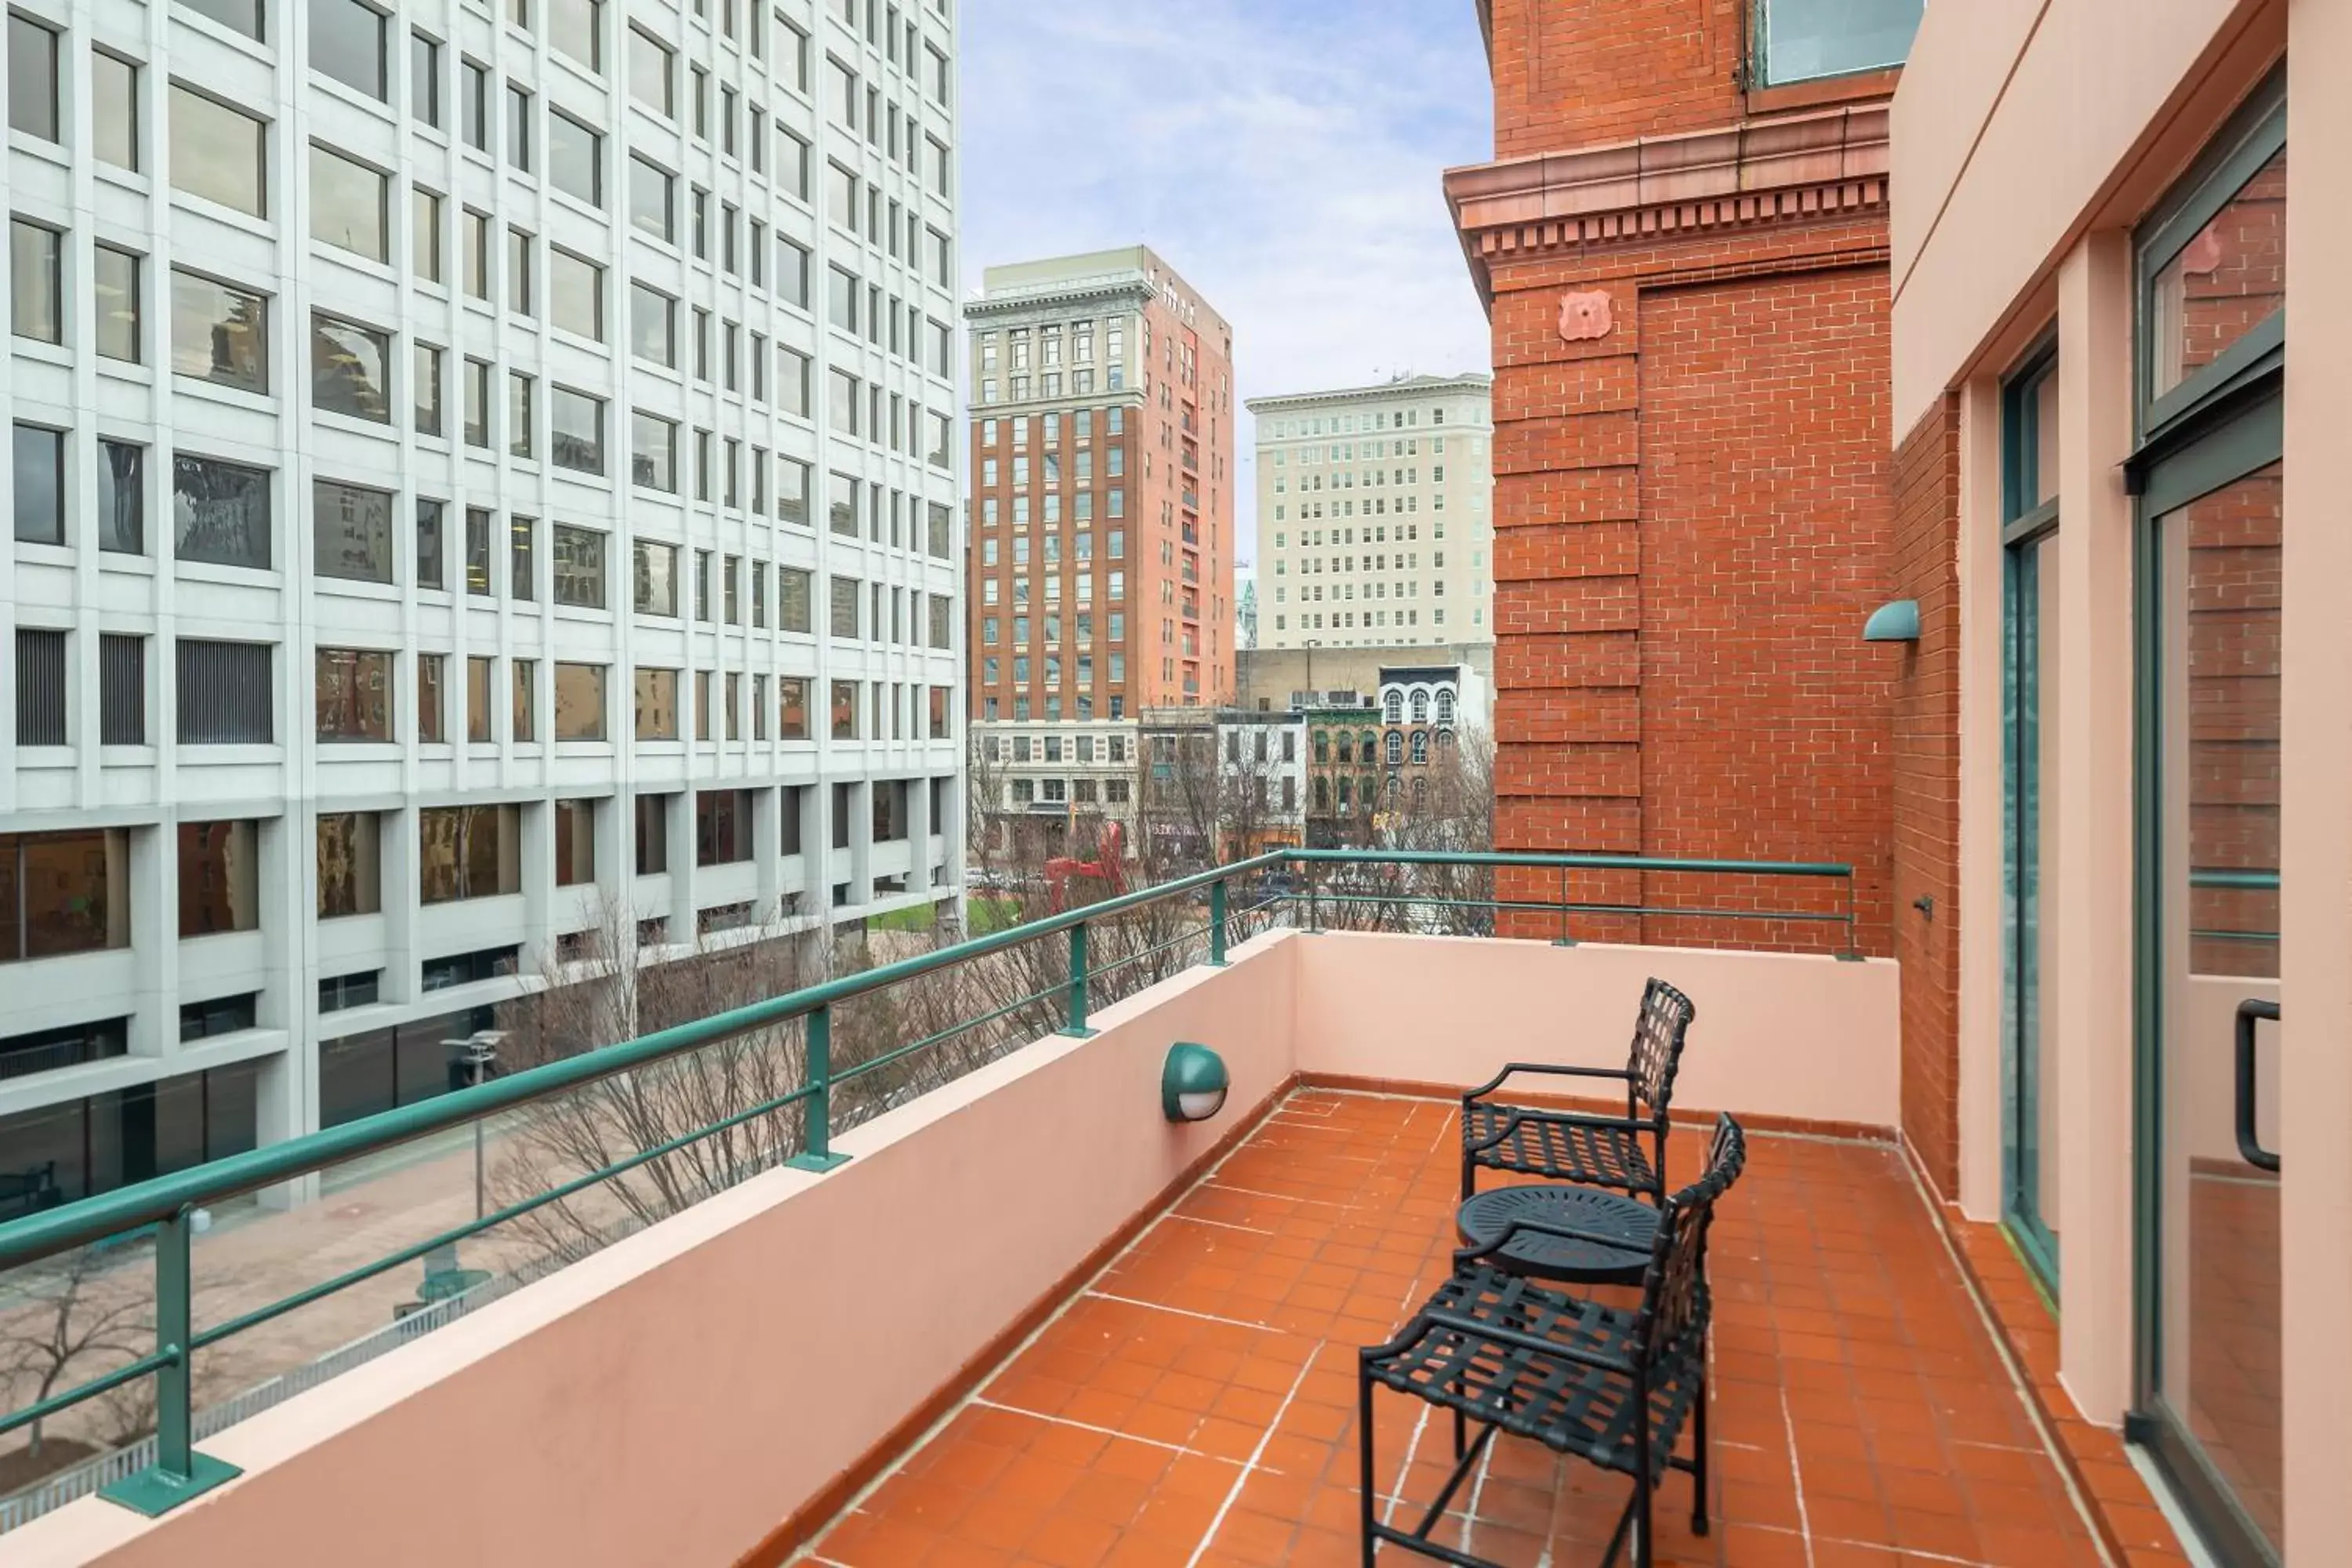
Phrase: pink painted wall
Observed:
(2019, 125)
(676, 1397)
(1775, 1033)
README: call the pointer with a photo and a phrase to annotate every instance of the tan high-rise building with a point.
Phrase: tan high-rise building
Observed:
(1102, 491)
(1373, 523)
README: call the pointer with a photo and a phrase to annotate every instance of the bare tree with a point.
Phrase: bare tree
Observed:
(1445, 806)
(85, 1321)
(621, 993)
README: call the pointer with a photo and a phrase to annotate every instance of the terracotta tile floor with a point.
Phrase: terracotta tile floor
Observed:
(1195, 1405)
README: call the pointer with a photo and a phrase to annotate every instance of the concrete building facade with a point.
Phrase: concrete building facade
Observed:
(1681, 241)
(1373, 524)
(1045, 789)
(1101, 394)
(475, 472)
(1309, 677)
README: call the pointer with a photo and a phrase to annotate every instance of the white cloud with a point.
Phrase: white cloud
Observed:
(1282, 155)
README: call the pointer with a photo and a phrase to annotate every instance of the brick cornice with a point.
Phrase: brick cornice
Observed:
(1763, 171)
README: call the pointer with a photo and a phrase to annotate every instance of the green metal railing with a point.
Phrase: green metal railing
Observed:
(1566, 908)
(2222, 879)
(167, 1205)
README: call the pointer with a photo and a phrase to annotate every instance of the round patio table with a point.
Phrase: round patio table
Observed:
(1630, 1226)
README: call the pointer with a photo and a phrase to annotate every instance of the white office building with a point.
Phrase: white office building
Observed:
(478, 475)
(1375, 526)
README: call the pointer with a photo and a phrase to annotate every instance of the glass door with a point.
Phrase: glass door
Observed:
(2209, 754)
(2029, 711)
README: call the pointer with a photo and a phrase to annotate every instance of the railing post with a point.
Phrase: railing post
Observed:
(1563, 939)
(1314, 898)
(179, 1472)
(1076, 1026)
(1217, 923)
(816, 1143)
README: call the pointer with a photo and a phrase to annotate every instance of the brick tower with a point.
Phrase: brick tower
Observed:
(1682, 245)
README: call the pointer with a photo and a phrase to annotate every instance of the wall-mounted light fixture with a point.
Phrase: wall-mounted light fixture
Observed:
(1897, 620)
(1193, 1084)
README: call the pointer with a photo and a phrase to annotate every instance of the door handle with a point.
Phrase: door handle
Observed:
(2250, 1147)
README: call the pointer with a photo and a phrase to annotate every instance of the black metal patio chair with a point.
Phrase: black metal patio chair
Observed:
(1588, 1149)
(1611, 1385)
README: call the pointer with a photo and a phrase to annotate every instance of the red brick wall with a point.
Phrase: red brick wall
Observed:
(1692, 523)
(1926, 789)
(1764, 528)
(1573, 72)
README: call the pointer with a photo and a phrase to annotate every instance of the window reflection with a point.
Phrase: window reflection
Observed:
(351, 369)
(64, 892)
(2226, 281)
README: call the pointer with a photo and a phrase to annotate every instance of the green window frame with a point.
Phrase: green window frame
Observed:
(2254, 135)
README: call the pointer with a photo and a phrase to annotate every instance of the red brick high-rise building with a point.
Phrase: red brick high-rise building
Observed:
(1102, 491)
(1683, 242)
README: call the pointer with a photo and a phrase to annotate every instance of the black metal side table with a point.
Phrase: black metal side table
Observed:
(1630, 1226)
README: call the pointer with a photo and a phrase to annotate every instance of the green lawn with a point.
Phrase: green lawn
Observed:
(982, 914)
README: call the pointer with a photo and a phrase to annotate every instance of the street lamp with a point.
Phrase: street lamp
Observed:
(478, 1053)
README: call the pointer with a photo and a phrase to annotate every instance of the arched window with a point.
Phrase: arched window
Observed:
(1347, 748)
(1322, 793)
(1365, 792)
(1395, 788)
(1392, 708)
(1371, 747)
(1446, 707)
(1396, 747)
(1445, 740)
(1322, 747)
(1419, 706)
(1420, 794)
(1420, 747)
(1347, 785)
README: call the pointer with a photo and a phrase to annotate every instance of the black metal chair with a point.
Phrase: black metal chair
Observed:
(1577, 1146)
(1612, 1385)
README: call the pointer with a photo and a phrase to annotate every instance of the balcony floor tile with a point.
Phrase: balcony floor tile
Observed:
(1196, 1405)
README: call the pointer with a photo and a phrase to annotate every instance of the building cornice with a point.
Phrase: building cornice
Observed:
(1792, 168)
(1469, 380)
(1048, 296)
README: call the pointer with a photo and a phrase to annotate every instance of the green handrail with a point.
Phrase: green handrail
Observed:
(162, 1197)
(167, 1201)
(2248, 881)
(1576, 862)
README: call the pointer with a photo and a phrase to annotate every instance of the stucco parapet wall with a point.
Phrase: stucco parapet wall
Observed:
(1781, 168)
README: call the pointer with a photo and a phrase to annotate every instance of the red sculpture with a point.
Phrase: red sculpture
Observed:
(1104, 867)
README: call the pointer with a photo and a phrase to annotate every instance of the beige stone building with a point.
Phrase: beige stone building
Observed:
(1374, 526)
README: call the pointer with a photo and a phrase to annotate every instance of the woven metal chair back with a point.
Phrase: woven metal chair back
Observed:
(1658, 1034)
(1674, 1290)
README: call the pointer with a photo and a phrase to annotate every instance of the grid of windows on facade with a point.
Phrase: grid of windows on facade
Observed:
(1053, 550)
(1357, 508)
(372, 368)
(640, 340)
(1078, 357)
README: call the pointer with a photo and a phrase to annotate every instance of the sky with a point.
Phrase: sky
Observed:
(1282, 155)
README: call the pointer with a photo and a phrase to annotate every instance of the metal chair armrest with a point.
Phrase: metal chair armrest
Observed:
(1510, 1125)
(1491, 1085)
(1520, 1113)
